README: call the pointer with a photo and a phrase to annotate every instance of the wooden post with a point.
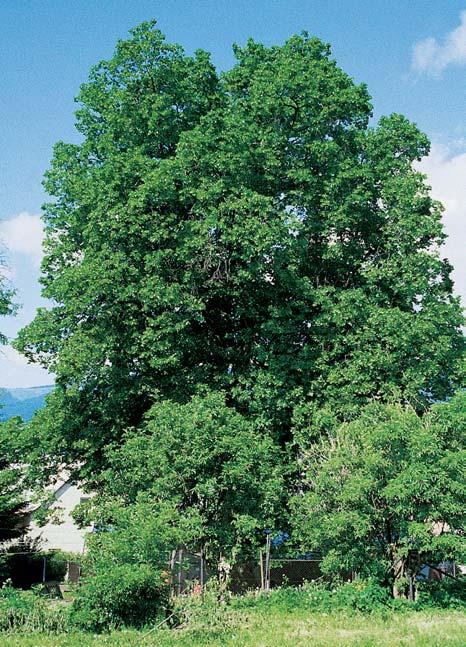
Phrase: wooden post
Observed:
(261, 565)
(180, 574)
(202, 569)
(172, 572)
(411, 587)
(267, 564)
(44, 566)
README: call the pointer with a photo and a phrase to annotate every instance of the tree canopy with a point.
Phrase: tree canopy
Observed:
(247, 232)
(385, 495)
(207, 461)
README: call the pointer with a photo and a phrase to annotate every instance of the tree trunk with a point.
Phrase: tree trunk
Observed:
(399, 583)
(404, 581)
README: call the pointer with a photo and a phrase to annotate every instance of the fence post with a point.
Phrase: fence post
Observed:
(202, 570)
(261, 566)
(267, 564)
(180, 574)
(411, 587)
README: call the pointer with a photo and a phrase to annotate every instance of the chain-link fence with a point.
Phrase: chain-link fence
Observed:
(188, 569)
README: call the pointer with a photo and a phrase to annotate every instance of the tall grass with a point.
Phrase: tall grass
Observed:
(28, 612)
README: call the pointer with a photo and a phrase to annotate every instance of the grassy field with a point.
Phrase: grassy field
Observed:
(277, 627)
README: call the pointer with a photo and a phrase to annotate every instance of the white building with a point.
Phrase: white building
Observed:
(61, 532)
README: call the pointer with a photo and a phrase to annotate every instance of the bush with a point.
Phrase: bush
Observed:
(365, 596)
(447, 593)
(26, 612)
(361, 595)
(126, 595)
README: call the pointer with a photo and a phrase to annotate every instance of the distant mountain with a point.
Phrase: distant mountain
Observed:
(22, 402)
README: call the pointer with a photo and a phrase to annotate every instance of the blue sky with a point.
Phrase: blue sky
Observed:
(411, 54)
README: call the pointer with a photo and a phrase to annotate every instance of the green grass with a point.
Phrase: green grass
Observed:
(273, 627)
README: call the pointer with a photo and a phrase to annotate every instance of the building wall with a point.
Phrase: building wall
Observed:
(63, 535)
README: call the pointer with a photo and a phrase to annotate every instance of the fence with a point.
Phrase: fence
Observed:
(186, 568)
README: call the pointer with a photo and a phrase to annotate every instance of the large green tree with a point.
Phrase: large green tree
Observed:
(248, 232)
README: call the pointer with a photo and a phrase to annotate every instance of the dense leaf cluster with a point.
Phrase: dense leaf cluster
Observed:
(247, 232)
(385, 495)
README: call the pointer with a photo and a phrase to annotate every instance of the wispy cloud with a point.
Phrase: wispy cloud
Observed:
(16, 372)
(446, 172)
(23, 234)
(431, 57)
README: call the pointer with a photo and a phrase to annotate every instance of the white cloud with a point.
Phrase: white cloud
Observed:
(447, 175)
(10, 354)
(16, 372)
(23, 234)
(431, 57)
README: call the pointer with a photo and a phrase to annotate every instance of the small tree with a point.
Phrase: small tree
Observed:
(385, 493)
(210, 462)
(127, 579)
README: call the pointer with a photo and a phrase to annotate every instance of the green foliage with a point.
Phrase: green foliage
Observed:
(12, 473)
(447, 593)
(196, 475)
(365, 596)
(237, 264)
(27, 612)
(278, 617)
(211, 463)
(142, 533)
(127, 562)
(385, 494)
(122, 595)
(249, 233)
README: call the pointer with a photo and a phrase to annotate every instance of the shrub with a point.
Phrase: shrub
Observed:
(447, 593)
(124, 595)
(26, 612)
(361, 595)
